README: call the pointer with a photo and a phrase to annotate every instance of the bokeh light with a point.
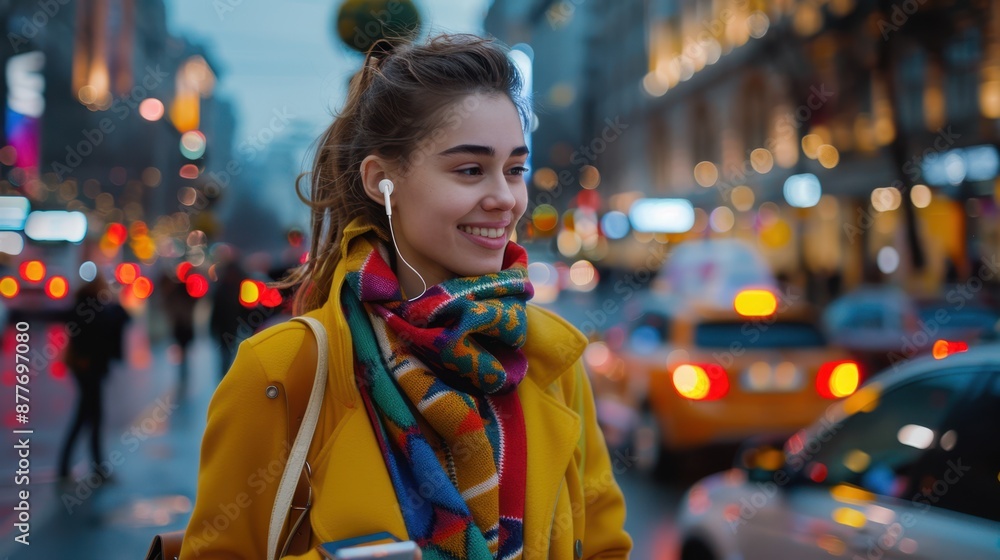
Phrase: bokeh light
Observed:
(828, 156)
(921, 196)
(811, 144)
(803, 190)
(886, 199)
(706, 174)
(761, 160)
(615, 225)
(126, 273)
(545, 217)
(193, 144)
(249, 292)
(32, 271)
(9, 287)
(888, 259)
(583, 275)
(189, 171)
(590, 177)
(197, 285)
(116, 233)
(545, 179)
(151, 109)
(142, 287)
(722, 219)
(57, 287)
(182, 270)
(88, 271)
(569, 243)
(742, 198)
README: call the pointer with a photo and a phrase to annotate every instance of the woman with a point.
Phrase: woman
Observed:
(455, 415)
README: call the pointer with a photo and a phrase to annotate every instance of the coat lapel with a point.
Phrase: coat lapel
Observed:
(553, 428)
(553, 431)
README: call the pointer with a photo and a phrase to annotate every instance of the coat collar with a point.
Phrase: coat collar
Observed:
(553, 345)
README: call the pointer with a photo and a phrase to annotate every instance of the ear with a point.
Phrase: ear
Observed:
(373, 170)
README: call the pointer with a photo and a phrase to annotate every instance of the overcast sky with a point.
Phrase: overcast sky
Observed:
(283, 56)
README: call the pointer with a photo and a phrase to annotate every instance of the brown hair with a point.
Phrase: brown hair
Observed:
(399, 98)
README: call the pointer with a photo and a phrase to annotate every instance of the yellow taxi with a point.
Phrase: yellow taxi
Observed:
(707, 375)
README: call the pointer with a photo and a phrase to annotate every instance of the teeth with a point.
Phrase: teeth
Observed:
(491, 233)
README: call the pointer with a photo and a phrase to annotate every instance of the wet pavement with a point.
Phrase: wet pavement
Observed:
(151, 445)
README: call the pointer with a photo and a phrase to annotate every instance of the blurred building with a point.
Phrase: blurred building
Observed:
(892, 107)
(110, 114)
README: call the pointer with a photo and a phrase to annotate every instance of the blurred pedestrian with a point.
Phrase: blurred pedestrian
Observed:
(96, 329)
(228, 323)
(180, 314)
(456, 414)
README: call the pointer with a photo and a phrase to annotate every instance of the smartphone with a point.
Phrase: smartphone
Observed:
(406, 550)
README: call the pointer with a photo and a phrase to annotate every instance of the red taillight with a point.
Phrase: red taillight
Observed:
(57, 287)
(838, 379)
(271, 298)
(944, 348)
(32, 271)
(9, 287)
(197, 285)
(142, 287)
(126, 273)
(700, 382)
(116, 233)
(182, 271)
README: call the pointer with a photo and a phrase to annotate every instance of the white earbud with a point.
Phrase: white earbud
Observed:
(385, 187)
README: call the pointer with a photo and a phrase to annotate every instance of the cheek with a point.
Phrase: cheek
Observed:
(521, 201)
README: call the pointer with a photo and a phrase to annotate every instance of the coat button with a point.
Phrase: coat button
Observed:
(578, 548)
(271, 392)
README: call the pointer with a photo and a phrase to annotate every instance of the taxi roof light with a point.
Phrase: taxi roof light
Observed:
(755, 303)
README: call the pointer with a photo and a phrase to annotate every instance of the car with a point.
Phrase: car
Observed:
(701, 376)
(876, 323)
(968, 322)
(46, 276)
(907, 467)
(884, 326)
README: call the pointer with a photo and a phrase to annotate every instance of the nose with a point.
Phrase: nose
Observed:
(500, 195)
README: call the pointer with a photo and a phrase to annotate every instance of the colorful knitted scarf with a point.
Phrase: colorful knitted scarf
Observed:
(438, 377)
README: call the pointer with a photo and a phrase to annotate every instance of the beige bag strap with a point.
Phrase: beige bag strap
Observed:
(297, 457)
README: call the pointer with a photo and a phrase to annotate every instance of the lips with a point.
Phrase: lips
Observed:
(489, 232)
(489, 240)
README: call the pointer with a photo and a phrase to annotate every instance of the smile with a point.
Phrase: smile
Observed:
(489, 233)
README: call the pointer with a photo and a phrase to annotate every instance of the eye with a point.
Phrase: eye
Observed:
(475, 171)
(520, 170)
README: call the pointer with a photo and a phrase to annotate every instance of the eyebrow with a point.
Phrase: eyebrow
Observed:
(476, 150)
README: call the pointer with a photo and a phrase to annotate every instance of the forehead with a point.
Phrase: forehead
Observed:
(484, 120)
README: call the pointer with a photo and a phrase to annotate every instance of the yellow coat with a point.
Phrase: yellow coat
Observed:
(571, 491)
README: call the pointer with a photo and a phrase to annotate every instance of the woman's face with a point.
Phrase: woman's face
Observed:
(455, 209)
